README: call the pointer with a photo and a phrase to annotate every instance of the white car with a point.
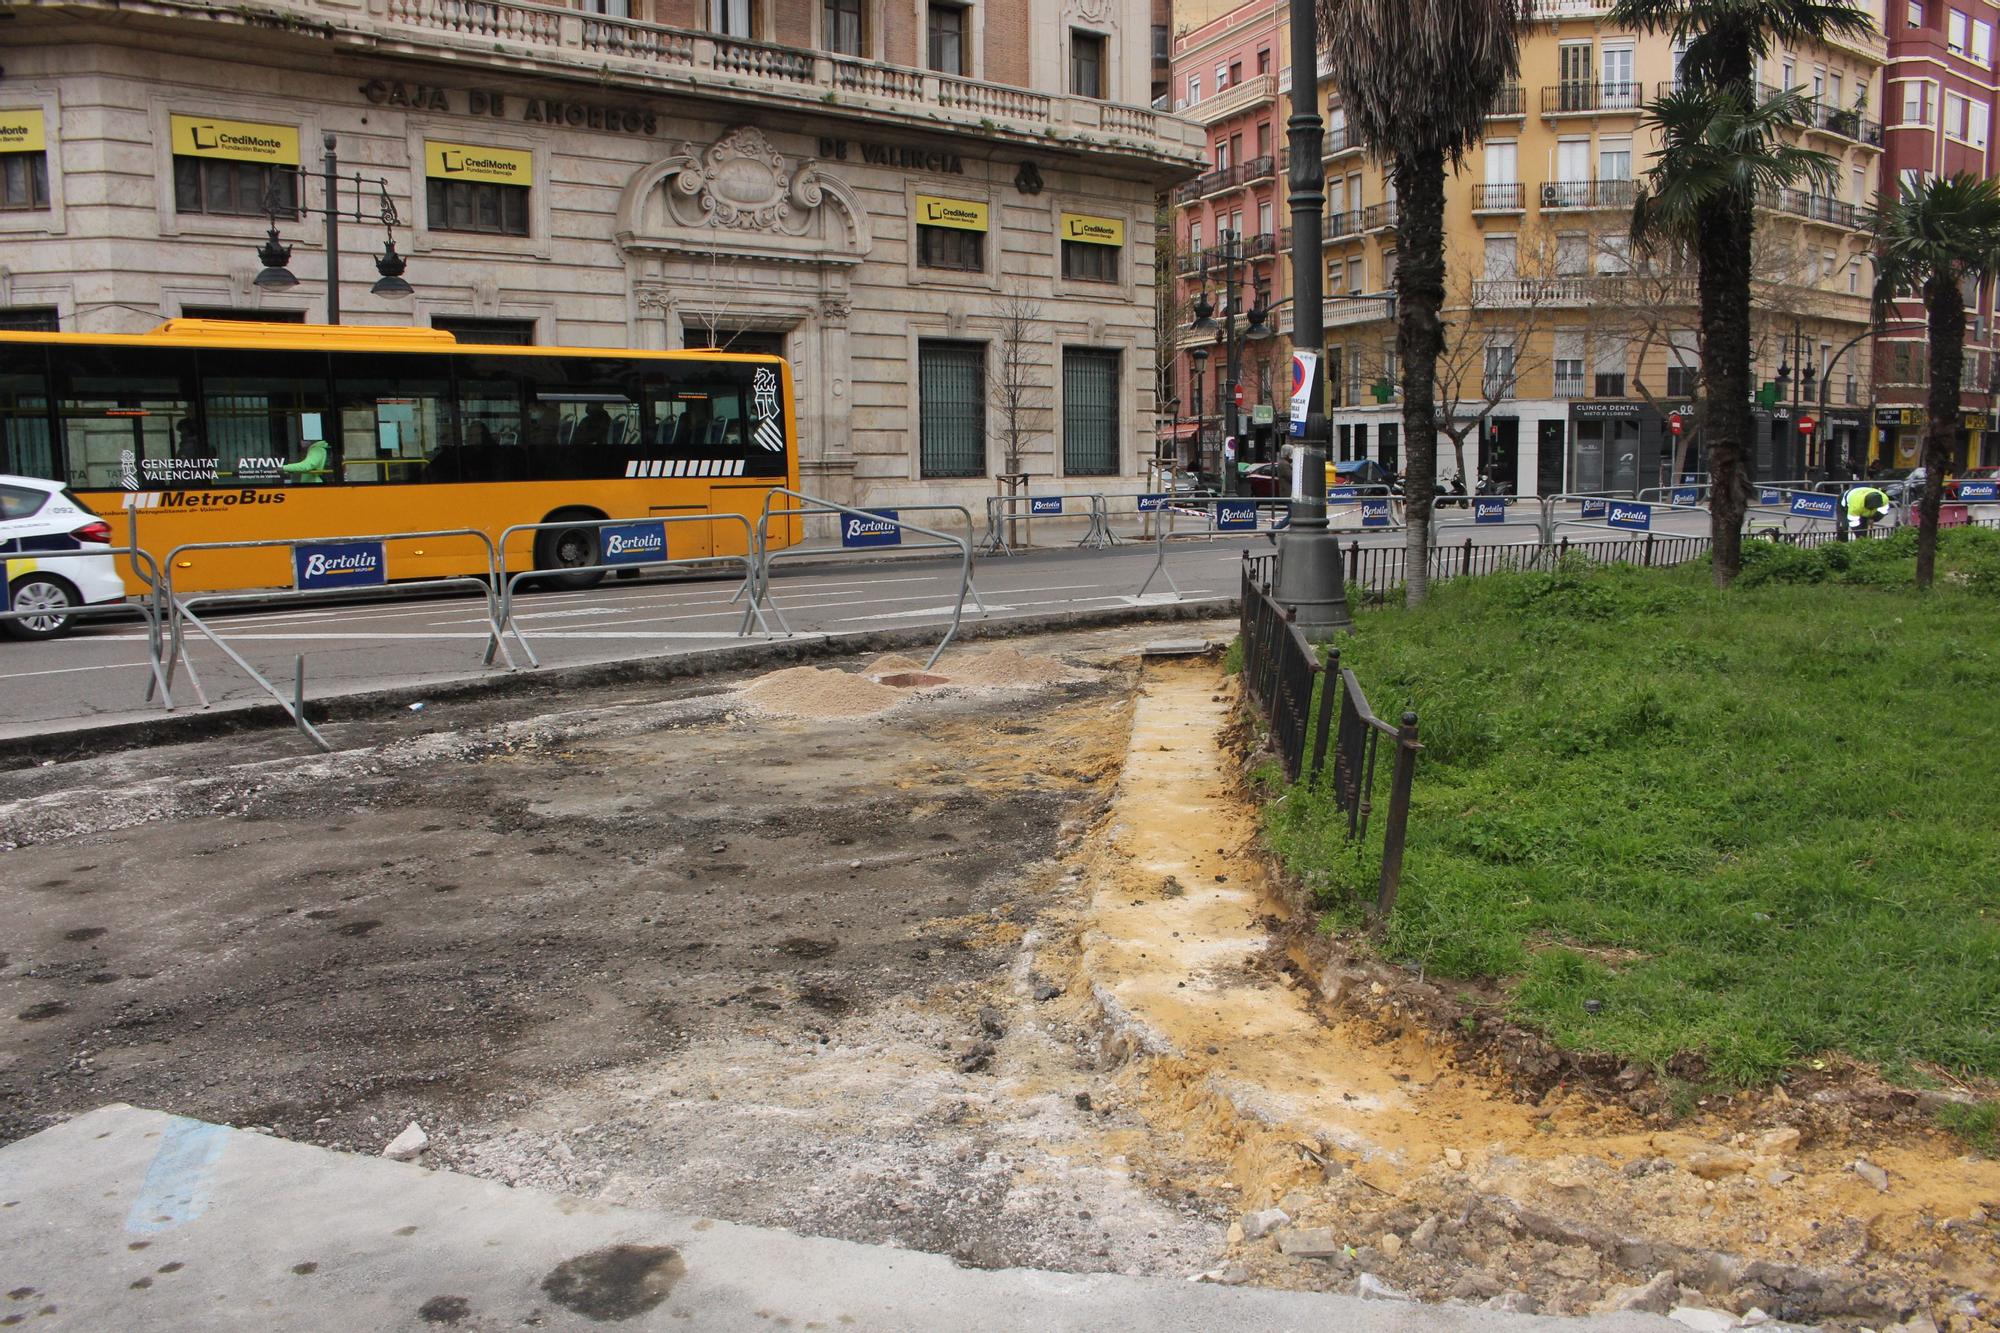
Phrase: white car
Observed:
(39, 516)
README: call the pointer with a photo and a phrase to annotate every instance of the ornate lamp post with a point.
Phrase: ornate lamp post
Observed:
(275, 255)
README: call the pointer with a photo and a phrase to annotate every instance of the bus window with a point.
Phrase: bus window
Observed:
(490, 432)
(394, 420)
(583, 415)
(259, 424)
(712, 420)
(26, 448)
(128, 421)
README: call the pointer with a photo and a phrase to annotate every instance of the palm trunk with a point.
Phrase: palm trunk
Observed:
(1944, 305)
(1419, 344)
(1724, 251)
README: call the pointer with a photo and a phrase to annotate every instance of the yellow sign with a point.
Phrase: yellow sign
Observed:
(237, 140)
(959, 214)
(21, 132)
(465, 162)
(1097, 231)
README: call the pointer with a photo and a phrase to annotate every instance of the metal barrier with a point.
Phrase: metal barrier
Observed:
(634, 555)
(1002, 511)
(181, 609)
(761, 583)
(146, 607)
(1212, 509)
(1604, 512)
(800, 553)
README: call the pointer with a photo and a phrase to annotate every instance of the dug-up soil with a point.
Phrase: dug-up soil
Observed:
(982, 959)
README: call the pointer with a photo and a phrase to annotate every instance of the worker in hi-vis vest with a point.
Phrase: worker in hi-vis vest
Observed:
(1866, 506)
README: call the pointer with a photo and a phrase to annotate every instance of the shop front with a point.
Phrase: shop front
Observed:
(1899, 440)
(1615, 447)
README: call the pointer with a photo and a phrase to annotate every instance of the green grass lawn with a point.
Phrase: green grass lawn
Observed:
(1757, 824)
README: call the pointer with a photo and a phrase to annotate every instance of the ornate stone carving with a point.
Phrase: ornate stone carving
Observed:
(743, 183)
(835, 309)
(1028, 180)
(1091, 11)
(661, 299)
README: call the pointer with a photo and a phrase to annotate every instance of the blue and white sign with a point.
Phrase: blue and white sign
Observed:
(882, 529)
(633, 543)
(1686, 495)
(1629, 514)
(338, 565)
(1978, 492)
(1814, 506)
(1767, 496)
(1150, 504)
(1489, 511)
(1045, 504)
(1594, 508)
(1235, 515)
(1341, 492)
(1374, 513)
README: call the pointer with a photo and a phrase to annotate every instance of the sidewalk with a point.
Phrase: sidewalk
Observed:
(133, 1219)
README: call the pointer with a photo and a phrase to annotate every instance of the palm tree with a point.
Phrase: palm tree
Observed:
(1937, 235)
(1723, 42)
(1718, 152)
(1417, 78)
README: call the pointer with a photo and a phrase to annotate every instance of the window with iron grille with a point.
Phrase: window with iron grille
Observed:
(1090, 412)
(951, 408)
(951, 247)
(1084, 261)
(222, 188)
(500, 210)
(24, 181)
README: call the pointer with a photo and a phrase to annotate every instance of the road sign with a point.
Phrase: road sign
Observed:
(1674, 423)
(1261, 414)
(1237, 392)
(1807, 425)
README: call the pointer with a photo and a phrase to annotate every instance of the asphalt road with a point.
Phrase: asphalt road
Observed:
(99, 674)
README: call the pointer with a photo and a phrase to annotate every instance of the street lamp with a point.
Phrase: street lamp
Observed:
(1231, 246)
(275, 255)
(1198, 354)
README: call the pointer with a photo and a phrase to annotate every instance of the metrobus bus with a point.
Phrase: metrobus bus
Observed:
(219, 431)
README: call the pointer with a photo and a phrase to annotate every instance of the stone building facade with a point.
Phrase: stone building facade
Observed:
(730, 175)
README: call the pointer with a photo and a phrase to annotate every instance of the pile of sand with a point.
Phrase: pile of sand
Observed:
(1010, 668)
(816, 692)
(891, 664)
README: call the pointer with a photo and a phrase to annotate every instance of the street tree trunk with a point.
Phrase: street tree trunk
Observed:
(1724, 251)
(1944, 305)
(1419, 344)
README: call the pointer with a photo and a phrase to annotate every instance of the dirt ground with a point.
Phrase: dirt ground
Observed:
(990, 967)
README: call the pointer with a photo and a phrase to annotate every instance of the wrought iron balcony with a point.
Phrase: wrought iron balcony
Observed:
(1586, 97)
(1499, 198)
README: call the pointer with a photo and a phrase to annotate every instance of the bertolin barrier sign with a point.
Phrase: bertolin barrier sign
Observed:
(322, 565)
(1767, 496)
(1686, 495)
(236, 140)
(1235, 515)
(1489, 511)
(633, 543)
(1045, 504)
(1629, 514)
(470, 162)
(1814, 506)
(1374, 513)
(883, 529)
(1978, 492)
(1593, 508)
(1152, 504)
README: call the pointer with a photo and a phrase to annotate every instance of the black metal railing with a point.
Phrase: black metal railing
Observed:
(1507, 102)
(1279, 665)
(1376, 217)
(1259, 168)
(1339, 139)
(1588, 194)
(1499, 198)
(1343, 224)
(1583, 95)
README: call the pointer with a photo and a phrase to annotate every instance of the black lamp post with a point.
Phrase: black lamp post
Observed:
(1229, 384)
(1198, 355)
(275, 255)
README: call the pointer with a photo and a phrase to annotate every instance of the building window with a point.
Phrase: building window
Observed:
(1982, 42)
(843, 27)
(1336, 277)
(1499, 378)
(500, 210)
(949, 247)
(1086, 64)
(24, 181)
(1162, 44)
(222, 188)
(1955, 33)
(28, 319)
(1194, 89)
(951, 408)
(730, 18)
(501, 332)
(1264, 61)
(1090, 412)
(947, 38)
(1914, 14)
(1264, 140)
(1681, 381)
(616, 9)
(233, 313)
(1084, 261)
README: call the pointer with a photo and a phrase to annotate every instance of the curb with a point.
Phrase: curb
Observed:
(181, 728)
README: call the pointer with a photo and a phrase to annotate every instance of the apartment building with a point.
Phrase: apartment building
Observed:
(858, 184)
(1939, 101)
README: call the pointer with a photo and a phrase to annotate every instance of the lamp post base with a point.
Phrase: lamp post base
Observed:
(1309, 583)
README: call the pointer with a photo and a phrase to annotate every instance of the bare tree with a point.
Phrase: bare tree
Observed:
(1018, 378)
(1171, 310)
(1499, 334)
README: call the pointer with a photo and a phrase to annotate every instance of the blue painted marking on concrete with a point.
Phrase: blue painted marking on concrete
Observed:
(175, 1190)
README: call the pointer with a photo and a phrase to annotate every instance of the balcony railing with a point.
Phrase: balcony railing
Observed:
(1499, 198)
(1508, 102)
(1340, 226)
(1581, 97)
(1816, 207)
(1259, 169)
(504, 32)
(1568, 386)
(1587, 194)
(1261, 246)
(1581, 289)
(1339, 139)
(1847, 122)
(1378, 217)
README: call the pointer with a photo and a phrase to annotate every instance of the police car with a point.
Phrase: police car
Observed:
(38, 515)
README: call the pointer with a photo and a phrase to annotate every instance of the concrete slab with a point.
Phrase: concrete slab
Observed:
(133, 1219)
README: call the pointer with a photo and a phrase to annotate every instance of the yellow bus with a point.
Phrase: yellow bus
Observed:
(218, 431)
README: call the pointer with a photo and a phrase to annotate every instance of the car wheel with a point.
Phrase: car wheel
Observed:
(571, 549)
(46, 599)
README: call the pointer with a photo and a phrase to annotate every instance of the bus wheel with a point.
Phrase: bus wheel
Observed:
(568, 548)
